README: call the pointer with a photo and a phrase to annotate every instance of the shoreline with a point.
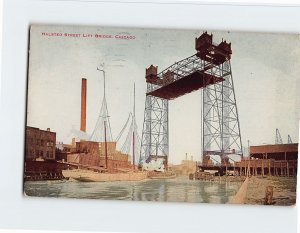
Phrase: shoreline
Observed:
(284, 190)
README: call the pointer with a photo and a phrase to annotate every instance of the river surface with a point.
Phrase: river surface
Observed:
(180, 189)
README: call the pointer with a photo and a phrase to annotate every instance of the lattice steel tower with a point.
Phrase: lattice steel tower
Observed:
(278, 139)
(209, 70)
(155, 136)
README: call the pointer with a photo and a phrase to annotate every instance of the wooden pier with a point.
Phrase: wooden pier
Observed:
(264, 160)
(270, 167)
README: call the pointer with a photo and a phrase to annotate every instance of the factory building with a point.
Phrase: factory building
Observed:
(40, 144)
(40, 155)
(92, 154)
(276, 151)
(274, 160)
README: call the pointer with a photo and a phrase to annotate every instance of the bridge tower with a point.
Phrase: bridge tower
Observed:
(220, 120)
(155, 136)
(209, 70)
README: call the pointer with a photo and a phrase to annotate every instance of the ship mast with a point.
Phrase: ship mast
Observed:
(133, 138)
(104, 99)
(105, 143)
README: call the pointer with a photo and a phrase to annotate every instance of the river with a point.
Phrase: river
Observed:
(180, 189)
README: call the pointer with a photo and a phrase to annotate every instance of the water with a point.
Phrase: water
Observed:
(172, 190)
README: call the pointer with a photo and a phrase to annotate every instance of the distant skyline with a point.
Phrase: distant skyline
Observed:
(265, 71)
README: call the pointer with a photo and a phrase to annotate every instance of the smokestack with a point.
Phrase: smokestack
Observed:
(83, 106)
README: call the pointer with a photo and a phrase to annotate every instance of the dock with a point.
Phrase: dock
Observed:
(264, 160)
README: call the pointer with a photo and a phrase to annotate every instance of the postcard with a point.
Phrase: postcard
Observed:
(162, 115)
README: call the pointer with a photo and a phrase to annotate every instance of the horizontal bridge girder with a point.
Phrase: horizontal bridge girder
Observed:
(187, 84)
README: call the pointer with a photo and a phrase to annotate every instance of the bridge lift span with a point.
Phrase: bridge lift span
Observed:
(209, 70)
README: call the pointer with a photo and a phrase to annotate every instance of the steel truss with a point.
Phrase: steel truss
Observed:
(220, 121)
(221, 129)
(155, 135)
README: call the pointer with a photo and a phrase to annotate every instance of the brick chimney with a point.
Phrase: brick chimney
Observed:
(83, 105)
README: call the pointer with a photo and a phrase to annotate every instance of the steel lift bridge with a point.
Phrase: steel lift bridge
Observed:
(209, 70)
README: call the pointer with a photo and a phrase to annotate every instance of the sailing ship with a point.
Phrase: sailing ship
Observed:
(84, 175)
(98, 160)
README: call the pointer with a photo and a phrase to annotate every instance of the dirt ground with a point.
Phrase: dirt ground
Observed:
(284, 190)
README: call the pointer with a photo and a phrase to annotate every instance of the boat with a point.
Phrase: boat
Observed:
(161, 175)
(91, 173)
(93, 176)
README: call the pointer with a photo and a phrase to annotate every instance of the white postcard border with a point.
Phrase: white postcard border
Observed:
(19, 212)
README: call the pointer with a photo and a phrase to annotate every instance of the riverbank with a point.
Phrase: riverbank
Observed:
(284, 191)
